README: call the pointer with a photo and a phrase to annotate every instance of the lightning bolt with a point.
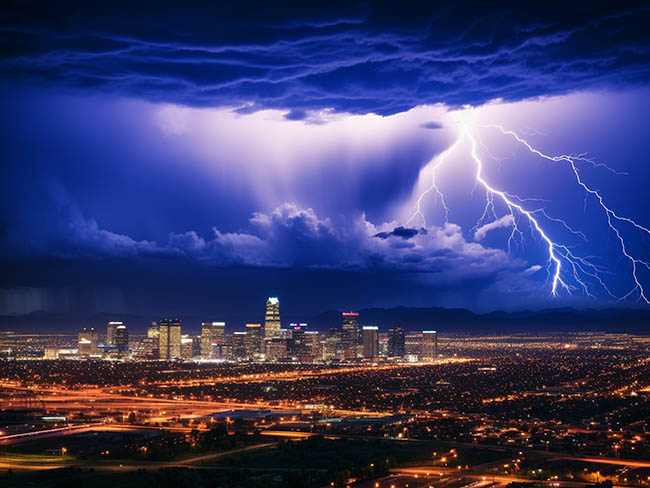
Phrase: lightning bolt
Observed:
(565, 269)
(610, 214)
(437, 162)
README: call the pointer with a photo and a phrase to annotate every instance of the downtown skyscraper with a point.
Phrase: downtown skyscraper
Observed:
(429, 344)
(350, 334)
(272, 317)
(212, 334)
(396, 343)
(110, 332)
(88, 342)
(370, 341)
(121, 341)
(170, 339)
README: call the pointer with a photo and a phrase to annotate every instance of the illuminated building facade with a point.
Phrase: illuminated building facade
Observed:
(153, 331)
(110, 332)
(212, 334)
(332, 346)
(396, 343)
(146, 349)
(277, 349)
(170, 339)
(429, 344)
(413, 344)
(272, 317)
(370, 341)
(350, 334)
(314, 344)
(88, 342)
(253, 340)
(239, 345)
(298, 344)
(121, 341)
(186, 346)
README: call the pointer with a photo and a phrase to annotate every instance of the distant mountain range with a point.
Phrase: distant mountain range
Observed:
(409, 318)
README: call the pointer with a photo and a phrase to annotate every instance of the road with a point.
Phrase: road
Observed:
(42, 434)
(79, 429)
(215, 455)
(122, 466)
(432, 473)
(632, 463)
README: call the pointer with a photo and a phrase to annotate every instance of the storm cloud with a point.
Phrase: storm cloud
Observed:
(382, 59)
(286, 237)
(204, 157)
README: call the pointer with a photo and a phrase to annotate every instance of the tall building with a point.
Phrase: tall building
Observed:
(332, 347)
(121, 341)
(212, 334)
(396, 343)
(383, 344)
(272, 317)
(350, 334)
(413, 344)
(146, 349)
(153, 332)
(429, 344)
(170, 339)
(187, 344)
(88, 342)
(239, 345)
(314, 344)
(370, 341)
(253, 340)
(224, 352)
(196, 346)
(110, 332)
(277, 349)
(298, 344)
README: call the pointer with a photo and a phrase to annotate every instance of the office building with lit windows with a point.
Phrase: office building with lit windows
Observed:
(429, 344)
(396, 343)
(88, 342)
(110, 332)
(272, 317)
(121, 341)
(253, 340)
(350, 334)
(170, 339)
(370, 341)
(212, 334)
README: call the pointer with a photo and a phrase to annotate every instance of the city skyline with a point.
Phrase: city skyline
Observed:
(349, 340)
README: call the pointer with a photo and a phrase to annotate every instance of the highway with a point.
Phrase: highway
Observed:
(206, 457)
(23, 464)
(434, 473)
(632, 463)
(42, 434)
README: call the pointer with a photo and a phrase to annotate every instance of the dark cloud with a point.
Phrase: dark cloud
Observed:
(431, 125)
(400, 231)
(296, 114)
(383, 59)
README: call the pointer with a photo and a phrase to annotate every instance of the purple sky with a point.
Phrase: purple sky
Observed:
(148, 170)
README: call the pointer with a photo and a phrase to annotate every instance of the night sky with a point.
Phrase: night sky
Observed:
(196, 159)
